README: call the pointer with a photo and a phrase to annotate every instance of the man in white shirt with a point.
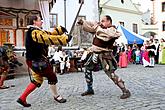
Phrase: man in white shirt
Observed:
(64, 62)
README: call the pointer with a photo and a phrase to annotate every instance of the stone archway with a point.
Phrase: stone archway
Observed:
(149, 33)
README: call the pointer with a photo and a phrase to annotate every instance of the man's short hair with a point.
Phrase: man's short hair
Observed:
(31, 19)
(108, 18)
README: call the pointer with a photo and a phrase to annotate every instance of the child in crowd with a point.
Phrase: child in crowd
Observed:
(137, 53)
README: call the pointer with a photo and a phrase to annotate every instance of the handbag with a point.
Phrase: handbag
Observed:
(39, 66)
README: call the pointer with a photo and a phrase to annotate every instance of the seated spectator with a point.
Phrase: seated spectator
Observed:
(69, 53)
(56, 57)
(51, 51)
(64, 62)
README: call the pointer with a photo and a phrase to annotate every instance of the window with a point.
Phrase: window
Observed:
(81, 0)
(53, 20)
(121, 23)
(163, 26)
(135, 28)
(163, 6)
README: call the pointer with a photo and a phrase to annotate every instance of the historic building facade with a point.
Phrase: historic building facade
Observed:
(64, 12)
(156, 26)
(126, 13)
(159, 10)
(14, 19)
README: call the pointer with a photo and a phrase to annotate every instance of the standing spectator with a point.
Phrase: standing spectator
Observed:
(145, 56)
(123, 61)
(134, 46)
(157, 45)
(115, 48)
(118, 53)
(129, 53)
(151, 52)
(137, 53)
(162, 51)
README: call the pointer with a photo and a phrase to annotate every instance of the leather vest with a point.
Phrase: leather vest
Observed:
(103, 44)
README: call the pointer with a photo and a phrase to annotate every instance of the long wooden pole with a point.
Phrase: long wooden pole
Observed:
(71, 30)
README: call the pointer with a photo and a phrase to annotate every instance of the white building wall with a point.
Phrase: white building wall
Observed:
(146, 17)
(128, 19)
(89, 9)
(11, 34)
(160, 17)
(119, 12)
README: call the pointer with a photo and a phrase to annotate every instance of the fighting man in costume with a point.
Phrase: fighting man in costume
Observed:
(4, 67)
(37, 42)
(104, 37)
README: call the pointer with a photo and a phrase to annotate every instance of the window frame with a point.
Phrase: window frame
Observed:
(163, 25)
(135, 28)
(163, 6)
(52, 22)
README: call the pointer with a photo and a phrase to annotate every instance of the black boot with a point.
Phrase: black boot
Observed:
(23, 103)
(126, 94)
(88, 93)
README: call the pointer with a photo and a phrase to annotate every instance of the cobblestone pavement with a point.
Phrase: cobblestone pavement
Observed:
(147, 86)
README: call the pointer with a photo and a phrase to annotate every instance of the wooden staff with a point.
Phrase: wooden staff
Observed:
(71, 30)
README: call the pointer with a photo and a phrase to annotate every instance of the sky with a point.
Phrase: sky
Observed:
(145, 4)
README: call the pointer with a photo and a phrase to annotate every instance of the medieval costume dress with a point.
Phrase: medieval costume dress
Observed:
(151, 53)
(162, 53)
(145, 59)
(123, 62)
(129, 53)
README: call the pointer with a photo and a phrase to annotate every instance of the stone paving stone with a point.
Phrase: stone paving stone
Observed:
(146, 86)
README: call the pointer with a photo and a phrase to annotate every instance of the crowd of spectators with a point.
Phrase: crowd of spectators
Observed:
(148, 54)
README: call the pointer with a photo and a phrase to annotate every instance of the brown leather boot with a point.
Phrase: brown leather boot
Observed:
(125, 94)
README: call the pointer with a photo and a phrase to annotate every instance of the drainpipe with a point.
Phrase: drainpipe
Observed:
(65, 13)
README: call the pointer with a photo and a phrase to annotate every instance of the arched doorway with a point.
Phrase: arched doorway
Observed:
(149, 34)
